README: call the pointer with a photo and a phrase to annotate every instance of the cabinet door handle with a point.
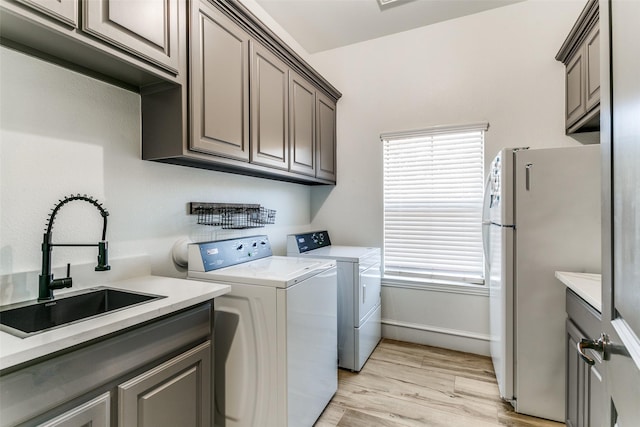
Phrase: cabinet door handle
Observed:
(597, 345)
(528, 167)
(364, 293)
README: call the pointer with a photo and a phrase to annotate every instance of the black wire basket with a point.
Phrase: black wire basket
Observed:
(233, 215)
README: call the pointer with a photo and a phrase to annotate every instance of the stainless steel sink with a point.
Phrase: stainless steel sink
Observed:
(28, 319)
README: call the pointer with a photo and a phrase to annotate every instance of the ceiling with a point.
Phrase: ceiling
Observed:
(319, 25)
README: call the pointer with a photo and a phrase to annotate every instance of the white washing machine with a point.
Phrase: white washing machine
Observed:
(359, 310)
(275, 333)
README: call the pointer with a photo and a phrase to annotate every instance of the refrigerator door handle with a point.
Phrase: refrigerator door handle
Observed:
(486, 222)
(528, 167)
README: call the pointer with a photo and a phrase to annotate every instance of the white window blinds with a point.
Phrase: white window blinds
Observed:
(433, 193)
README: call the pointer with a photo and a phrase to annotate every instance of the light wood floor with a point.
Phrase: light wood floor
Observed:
(405, 384)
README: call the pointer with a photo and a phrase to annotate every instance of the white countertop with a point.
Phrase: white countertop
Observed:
(180, 294)
(587, 285)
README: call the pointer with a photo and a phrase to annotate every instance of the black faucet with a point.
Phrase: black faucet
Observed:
(46, 281)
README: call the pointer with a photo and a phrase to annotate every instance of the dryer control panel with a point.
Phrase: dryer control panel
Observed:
(301, 243)
(207, 256)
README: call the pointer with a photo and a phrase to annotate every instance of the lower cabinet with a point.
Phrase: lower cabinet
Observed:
(94, 413)
(156, 375)
(585, 385)
(176, 393)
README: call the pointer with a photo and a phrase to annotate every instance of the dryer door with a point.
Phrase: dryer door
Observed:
(368, 292)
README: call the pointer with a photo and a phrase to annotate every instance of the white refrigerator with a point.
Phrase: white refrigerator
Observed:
(542, 214)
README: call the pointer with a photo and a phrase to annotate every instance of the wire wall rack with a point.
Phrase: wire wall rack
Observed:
(232, 215)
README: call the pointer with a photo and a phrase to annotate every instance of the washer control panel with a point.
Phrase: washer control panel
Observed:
(301, 243)
(225, 253)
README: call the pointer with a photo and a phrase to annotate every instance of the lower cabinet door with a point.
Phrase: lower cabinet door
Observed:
(575, 379)
(93, 413)
(585, 386)
(595, 400)
(176, 393)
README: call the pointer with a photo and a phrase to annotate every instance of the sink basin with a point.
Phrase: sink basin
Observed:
(27, 320)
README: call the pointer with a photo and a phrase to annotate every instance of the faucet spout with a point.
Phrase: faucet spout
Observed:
(46, 282)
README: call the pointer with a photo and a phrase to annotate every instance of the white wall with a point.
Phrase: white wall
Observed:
(496, 66)
(61, 133)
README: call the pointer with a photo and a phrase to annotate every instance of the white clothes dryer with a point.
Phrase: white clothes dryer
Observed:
(275, 333)
(359, 281)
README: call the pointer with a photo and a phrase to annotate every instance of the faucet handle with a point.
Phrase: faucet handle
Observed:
(66, 282)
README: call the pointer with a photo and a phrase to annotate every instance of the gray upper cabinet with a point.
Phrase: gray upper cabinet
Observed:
(581, 55)
(302, 112)
(325, 137)
(148, 29)
(252, 105)
(133, 44)
(219, 89)
(269, 109)
(592, 69)
(65, 11)
(575, 104)
(214, 81)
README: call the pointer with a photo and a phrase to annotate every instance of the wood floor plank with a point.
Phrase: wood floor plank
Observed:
(331, 416)
(410, 385)
(422, 396)
(478, 388)
(397, 354)
(403, 374)
(353, 418)
(416, 409)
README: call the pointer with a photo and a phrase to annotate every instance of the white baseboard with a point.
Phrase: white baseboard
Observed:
(466, 341)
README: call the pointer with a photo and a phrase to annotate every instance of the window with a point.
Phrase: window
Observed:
(433, 194)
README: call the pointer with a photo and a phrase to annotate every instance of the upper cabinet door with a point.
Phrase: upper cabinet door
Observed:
(145, 28)
(269, 109)
(302, 116)
(592, 79)
(575, 102)
(219, 57)
(62, 10)
(325, 137)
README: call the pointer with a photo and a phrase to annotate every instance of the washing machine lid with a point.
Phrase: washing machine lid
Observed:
(318, 244)
(276, 271)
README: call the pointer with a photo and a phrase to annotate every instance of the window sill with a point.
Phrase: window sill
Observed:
(435, 285)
